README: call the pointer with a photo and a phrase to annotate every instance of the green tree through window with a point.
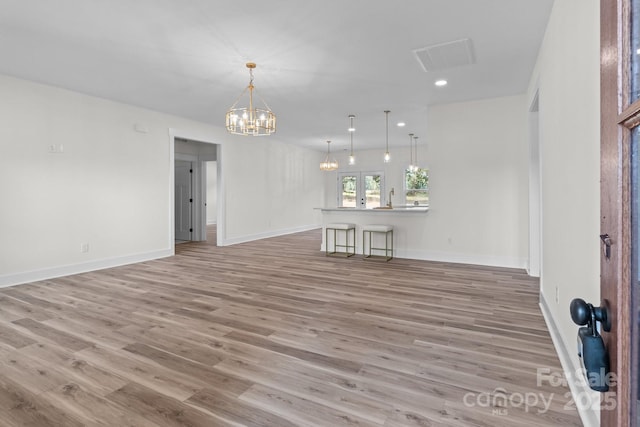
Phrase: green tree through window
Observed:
(417, 186)
(349, 191)
(372, 190)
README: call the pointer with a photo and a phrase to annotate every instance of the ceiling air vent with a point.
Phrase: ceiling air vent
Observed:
(446, 55)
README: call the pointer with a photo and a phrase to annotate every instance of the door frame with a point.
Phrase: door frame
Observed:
(534, 267)
(360, 186)
(617, 118)
(221, 217)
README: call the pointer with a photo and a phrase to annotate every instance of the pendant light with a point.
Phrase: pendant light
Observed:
(250, 121)
(415, 138)
(352, 159)
(387, 156)
(411, 166)
(328, 164)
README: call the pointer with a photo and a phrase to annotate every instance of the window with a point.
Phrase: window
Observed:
(416, 184)
(360, 189)
(348, 191)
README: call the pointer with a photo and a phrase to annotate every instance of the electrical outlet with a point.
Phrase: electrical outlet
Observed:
(84, 248)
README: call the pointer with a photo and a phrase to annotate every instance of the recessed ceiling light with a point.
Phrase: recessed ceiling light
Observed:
(638, 51)
(441, 83)
(401, 124)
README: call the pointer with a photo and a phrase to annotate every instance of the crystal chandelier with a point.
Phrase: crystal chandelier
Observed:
(250, 120)
(328, 164)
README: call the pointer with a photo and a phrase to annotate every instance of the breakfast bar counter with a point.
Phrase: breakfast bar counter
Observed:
(394, 210)
(409, 224)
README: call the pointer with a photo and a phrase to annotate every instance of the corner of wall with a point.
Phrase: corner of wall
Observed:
(585, 400)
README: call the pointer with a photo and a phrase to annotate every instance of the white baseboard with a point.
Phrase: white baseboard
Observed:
(66, 270)
(462, 258)
(267, 234)
(456, 258)
(589, 417)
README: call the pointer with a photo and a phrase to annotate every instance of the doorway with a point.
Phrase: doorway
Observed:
(196, 186)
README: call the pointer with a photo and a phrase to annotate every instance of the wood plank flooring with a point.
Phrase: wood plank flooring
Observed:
(273, 333)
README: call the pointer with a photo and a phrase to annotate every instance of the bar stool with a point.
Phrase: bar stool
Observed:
(387, 230)
(347, 228)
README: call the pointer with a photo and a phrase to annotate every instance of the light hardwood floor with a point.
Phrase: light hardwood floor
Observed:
(273, 333)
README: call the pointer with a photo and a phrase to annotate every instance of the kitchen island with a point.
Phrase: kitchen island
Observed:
(408, 225)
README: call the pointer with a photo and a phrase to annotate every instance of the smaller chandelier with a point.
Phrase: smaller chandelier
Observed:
(250, 120)
(328, 164)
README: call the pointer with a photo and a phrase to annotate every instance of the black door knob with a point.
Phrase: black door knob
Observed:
(580, 311)
(591, 349)
(583, 313)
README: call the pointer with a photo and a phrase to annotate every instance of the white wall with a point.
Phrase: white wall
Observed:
(477, 155)
(111, 186)
(274, 184)
(212, 192)
(568, 78)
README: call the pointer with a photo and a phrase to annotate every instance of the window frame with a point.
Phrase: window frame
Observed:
(406, 189)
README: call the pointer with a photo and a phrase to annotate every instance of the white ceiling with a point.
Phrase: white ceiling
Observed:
(318, 61)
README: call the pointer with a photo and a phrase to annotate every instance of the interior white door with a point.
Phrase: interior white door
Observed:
(183, 200)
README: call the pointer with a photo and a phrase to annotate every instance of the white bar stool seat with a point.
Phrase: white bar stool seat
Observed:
(348, 229)
(387, 230)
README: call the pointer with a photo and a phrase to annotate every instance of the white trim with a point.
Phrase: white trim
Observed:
(200, 201)
(462, 258)
(67, 270)
(267, 234)
(221, 230)
(589, 417)
(172, 195)
(455, 258)
(199, 227)
(535, 188)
